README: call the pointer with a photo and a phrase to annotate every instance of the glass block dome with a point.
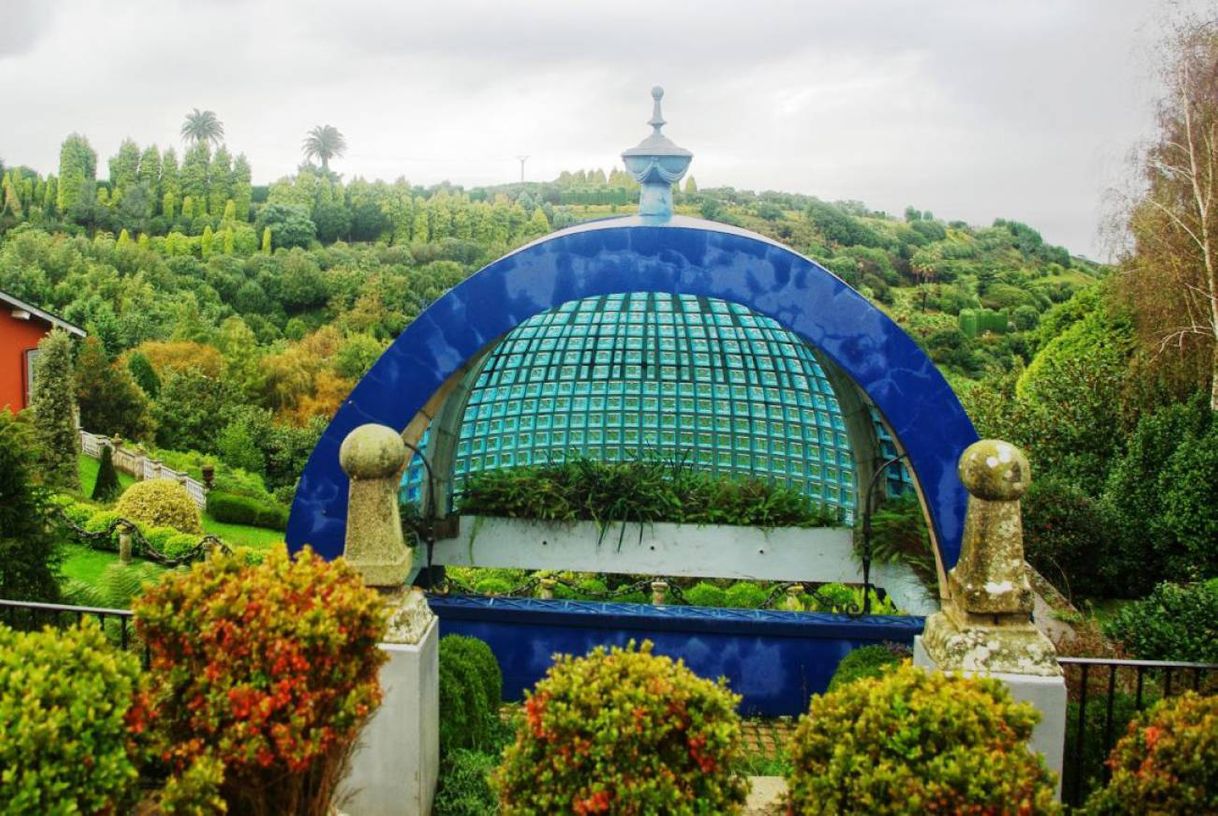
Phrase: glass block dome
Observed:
(691, 379)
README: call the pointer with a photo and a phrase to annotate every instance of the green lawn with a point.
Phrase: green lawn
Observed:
(237, 535)
(85, 564)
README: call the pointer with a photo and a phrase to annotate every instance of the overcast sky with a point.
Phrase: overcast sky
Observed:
(974, 109)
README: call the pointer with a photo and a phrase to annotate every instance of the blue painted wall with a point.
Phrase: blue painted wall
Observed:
(775, 660)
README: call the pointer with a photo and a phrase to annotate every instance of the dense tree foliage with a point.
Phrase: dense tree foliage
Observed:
(28, 556)
(1171, 277)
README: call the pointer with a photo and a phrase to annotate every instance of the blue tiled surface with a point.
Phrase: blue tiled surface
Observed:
(775, 660)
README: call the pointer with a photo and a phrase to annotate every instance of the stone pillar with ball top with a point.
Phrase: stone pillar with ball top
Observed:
(985, 624)
(396, 764)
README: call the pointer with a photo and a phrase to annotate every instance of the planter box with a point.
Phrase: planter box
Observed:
(815, 554)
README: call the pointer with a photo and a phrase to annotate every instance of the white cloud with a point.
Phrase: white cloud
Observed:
(973, 110)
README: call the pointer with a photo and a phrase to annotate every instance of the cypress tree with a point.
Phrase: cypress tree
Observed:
(206, 241)
(266, 240)
(77, 170)
(106, 489)
(54, 408)
(243, 190)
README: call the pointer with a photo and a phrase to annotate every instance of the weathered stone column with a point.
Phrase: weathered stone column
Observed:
(397, 762)
(985, 624)
(124, 544)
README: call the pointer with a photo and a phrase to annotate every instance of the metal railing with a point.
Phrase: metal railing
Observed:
(1114, 691)
(115, 623)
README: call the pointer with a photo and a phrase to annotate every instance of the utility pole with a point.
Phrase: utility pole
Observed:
(523, 159)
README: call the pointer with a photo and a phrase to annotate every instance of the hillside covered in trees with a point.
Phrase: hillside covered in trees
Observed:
(232, 319)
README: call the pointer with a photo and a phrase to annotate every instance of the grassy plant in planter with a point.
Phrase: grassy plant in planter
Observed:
(915, 742)
(625, 731)
(644, 490)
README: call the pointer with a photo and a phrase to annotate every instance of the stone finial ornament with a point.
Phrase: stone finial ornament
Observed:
(373, 457)
(656, 164)
(985, 624)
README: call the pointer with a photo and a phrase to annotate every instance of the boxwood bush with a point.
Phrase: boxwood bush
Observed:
(160, 502)
(915, 742)
(64, 699)
(625, 731)
(232, 508)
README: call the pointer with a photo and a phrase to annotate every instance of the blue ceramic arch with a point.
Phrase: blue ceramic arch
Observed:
(637, 254)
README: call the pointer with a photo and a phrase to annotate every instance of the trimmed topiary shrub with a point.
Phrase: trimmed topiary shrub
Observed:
(704, 593)
(106, 488)
(1167, 762)
(64, 699)
(101, 520)
(271, 670)
(471, 691)
(745, 596)
(162, 503)
(179, 544)
(834, 598)
(232, 508)
(158, 538)
(625, 731)
(865, 661)
(914, 742)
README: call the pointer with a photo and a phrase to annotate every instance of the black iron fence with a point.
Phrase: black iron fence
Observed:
(1105, 695)
(115, 623)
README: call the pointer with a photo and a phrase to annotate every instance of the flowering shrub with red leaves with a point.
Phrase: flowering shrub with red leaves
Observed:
(625, 732)
(269, 669)
(1166, 763)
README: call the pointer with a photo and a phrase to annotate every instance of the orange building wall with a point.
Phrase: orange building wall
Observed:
(16, 338)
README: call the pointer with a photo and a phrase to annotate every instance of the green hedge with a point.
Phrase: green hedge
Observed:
(231, 508)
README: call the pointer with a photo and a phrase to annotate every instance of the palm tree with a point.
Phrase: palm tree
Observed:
(202, 126)
(324, 142)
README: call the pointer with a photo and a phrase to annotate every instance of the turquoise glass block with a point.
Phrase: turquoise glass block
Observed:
(692, 379)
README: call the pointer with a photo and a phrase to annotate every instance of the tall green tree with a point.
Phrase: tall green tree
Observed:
(202, 127)
(196, 165)
(54, 406)
(77, 172)
(220, 181)
(243, 190)
(110, 401)
(28, 555)
(150, 169)
(324, 142)
(124, 169)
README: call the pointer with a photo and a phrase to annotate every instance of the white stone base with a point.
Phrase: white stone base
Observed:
(397, 761)
(1048, 694)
